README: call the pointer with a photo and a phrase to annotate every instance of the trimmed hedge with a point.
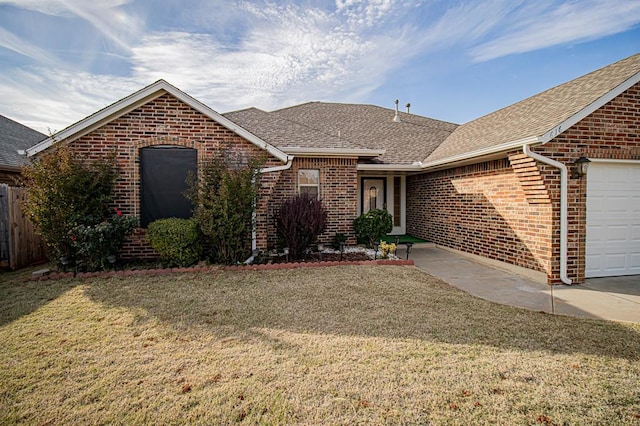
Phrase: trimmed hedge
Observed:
(373, 225)
(177, 241)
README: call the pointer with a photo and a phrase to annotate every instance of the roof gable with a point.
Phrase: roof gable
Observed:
(541, 117)
(139, 98)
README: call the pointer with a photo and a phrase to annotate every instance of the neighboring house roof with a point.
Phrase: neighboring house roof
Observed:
(542, 117)
(139, 98)
(405, 142)
(15, 137)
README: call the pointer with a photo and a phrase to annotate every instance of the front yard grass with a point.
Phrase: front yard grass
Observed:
(339, 345)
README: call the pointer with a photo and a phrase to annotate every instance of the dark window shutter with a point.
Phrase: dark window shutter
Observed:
(163, 175)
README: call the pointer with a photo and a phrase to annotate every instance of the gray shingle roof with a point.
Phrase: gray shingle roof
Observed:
(334, 125)
(535, 116)
(285, 133)
(13, 137)
(411, 140)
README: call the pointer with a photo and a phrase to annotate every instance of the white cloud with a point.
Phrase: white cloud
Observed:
(369, 13)
(50, 100)
(106, 16)
(61, 7)
(288, 55)
(272, 55)
(545, 24)
(19, 45)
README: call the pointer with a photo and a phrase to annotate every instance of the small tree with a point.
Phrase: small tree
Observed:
(300, 221)
(224, 200)
(373, 225)
(65, 191)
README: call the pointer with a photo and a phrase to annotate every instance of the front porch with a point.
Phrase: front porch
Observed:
(384, 191)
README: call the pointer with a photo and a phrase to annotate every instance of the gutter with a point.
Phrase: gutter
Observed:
(332, 152)
(564, 203)
(451, 161)
(278, 168)
(254, 236)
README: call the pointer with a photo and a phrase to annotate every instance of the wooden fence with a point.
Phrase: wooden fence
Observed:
(20, 246)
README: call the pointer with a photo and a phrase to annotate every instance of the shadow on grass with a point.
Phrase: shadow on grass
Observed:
(382, 302)
(19, 298)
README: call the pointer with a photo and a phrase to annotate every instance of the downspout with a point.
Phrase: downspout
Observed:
(564, 208)
(278, 168)
(254, 236)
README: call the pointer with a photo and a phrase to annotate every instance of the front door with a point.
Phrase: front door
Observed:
(373, 194)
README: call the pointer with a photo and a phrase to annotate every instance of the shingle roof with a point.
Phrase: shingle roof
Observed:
(13, 137)
(286, 133)
(535, 116)
(334, 125)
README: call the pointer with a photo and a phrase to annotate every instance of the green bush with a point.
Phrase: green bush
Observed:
(224, 197)
(299, 222)
(177, 241)
(64, 191)
(337, 239)
(95, 243)
(373, 225)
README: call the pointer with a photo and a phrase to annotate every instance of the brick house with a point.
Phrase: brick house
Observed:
(501, 187)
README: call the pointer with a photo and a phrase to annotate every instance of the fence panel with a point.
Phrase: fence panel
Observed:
(25, 246)
(4, 226)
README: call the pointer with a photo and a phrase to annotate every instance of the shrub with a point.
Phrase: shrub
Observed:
(337, 239)
(95, 243)
(224, 198)
(177, 241)
(65, 191)
(373, 225)
(299, 222)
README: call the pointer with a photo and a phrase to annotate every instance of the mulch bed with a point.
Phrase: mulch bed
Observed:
(328, 259)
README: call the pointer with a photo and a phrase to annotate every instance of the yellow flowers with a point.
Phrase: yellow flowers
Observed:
(387, 248)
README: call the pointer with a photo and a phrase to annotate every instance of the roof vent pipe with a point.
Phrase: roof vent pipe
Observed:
(396, 118)
(408, 105)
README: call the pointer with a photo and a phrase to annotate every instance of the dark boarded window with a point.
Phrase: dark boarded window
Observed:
(163, 175)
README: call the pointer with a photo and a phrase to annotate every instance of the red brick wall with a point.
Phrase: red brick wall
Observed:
(338, 191)
(481, 209)
(168, 121)
(611, 132)
(162, 121)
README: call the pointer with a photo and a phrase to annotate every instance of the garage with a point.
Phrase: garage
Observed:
(613, 219)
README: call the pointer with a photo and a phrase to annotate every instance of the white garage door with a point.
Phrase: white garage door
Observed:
(613, 219)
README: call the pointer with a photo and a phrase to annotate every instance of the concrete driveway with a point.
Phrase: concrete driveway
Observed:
(615, 298)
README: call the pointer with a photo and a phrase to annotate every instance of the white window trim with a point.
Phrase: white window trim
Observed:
(306, 185)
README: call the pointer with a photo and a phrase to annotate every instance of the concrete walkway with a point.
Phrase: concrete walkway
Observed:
(615, 298)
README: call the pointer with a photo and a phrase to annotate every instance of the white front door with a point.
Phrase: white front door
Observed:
(613, 219)
(373, 194)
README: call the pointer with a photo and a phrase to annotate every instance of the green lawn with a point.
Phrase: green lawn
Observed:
(338, 345)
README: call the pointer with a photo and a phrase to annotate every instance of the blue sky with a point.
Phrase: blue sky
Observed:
(62, 60)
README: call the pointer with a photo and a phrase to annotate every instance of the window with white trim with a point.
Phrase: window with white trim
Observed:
(309, 182)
